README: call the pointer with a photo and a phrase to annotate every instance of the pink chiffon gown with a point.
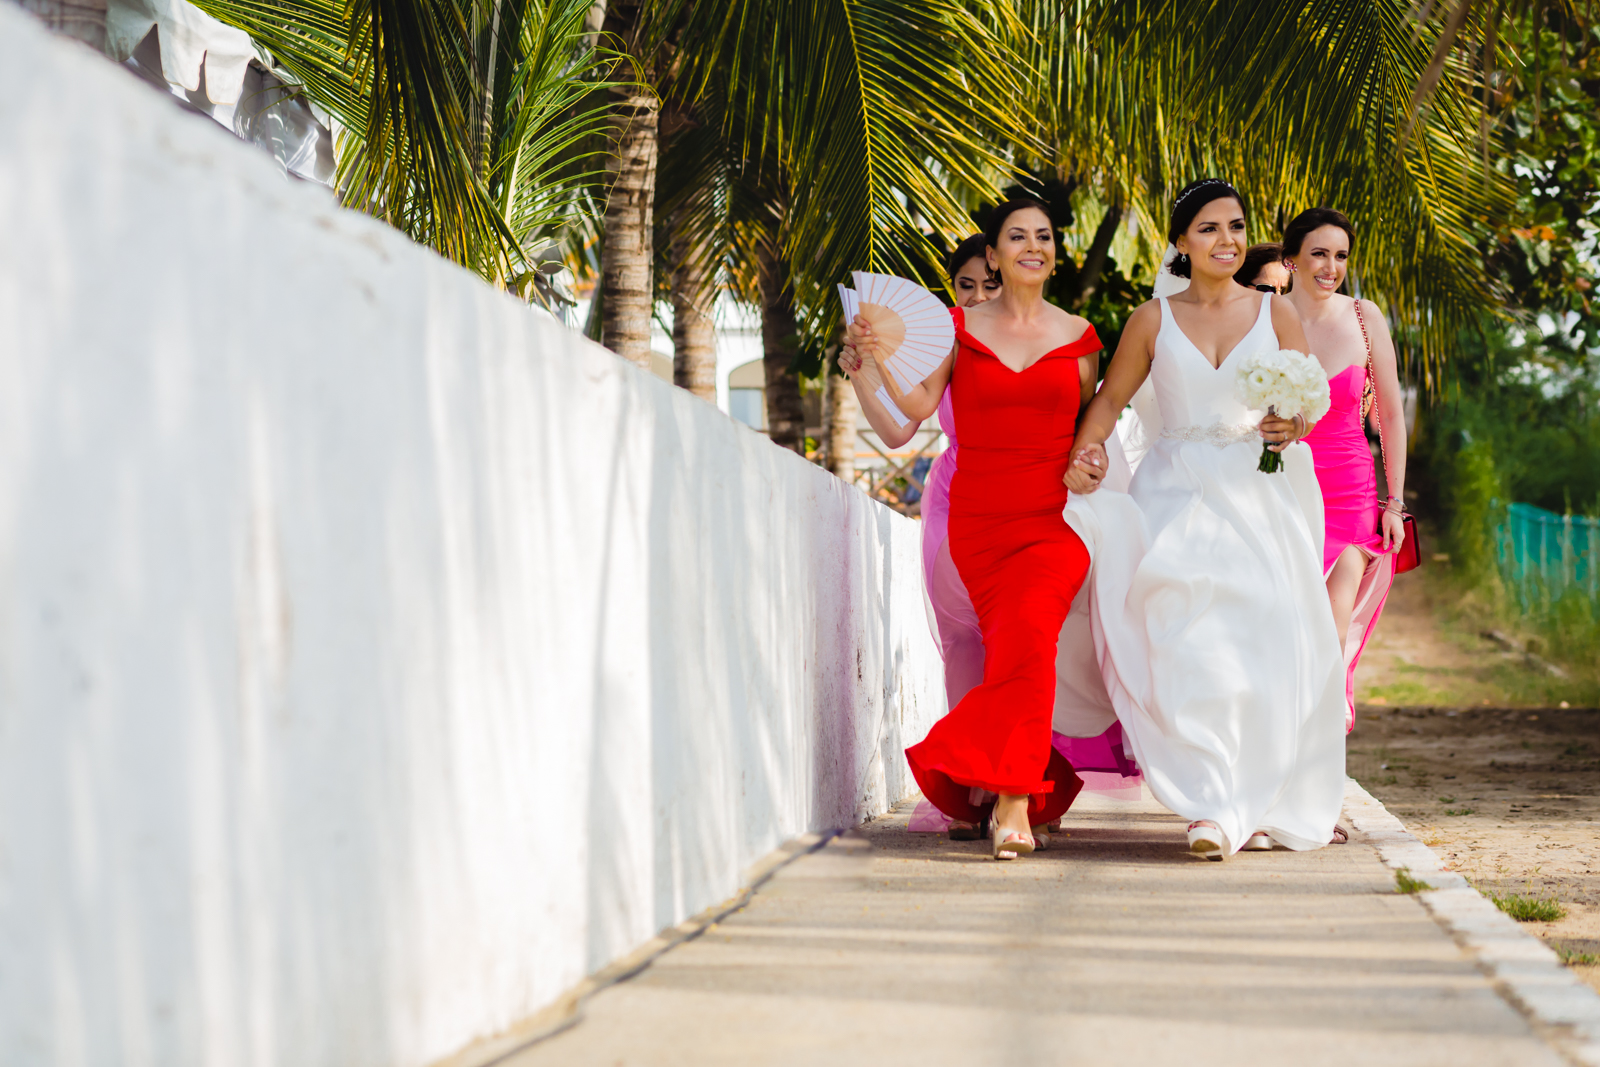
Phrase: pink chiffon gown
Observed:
(1099, 761)
(1349, 484)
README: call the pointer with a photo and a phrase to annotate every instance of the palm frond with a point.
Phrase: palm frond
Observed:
(472, 125)
(1298, 105)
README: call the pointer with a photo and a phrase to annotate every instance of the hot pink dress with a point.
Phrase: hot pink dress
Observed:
(1350, 508)
(1099, 761)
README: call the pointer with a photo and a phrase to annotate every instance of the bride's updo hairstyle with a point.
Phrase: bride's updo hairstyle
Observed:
(1191, 199)
(1314, 218)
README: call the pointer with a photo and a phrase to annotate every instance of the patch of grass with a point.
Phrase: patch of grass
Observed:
(1404, 883)
(1390, 779)
(1460, 811)
(1571, 956)
(1526, 908)
(1447, 800)
(1406, 692)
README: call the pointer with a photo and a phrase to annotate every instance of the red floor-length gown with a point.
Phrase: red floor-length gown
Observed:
(1022, 565)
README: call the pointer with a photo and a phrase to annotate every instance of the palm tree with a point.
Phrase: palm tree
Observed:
(471, 125)
(834, 133)
(626, 257)
(1298, 104)
(688, 261)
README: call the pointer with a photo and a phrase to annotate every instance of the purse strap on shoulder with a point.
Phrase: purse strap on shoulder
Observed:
(1369, 399)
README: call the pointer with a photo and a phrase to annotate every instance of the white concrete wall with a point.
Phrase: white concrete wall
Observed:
(376, 659)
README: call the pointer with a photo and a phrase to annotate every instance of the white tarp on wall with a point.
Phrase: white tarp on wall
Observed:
(366, 678)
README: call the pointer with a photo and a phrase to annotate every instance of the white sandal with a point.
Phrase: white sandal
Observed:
(1260, 841)
(1205, 839)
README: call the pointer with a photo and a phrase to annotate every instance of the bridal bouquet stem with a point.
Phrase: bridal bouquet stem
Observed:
(1285, 383)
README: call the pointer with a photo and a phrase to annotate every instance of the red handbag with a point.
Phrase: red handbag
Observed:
(1408, 557)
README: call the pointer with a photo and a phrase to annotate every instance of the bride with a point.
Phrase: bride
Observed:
(1212, 624)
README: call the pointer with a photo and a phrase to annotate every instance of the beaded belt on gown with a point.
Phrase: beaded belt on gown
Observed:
(1214, 434)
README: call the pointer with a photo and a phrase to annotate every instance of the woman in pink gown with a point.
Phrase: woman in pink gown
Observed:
(1348, 336)
(1099, 761)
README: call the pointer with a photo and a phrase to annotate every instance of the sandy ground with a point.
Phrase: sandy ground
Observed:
(1487, 768)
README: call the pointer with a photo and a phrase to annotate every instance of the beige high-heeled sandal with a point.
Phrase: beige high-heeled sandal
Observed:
(1009, 844)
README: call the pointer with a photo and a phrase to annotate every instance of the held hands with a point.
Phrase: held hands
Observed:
(1088, 467)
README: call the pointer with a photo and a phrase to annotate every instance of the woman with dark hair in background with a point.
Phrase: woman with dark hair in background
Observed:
(1352, 340)
(1018, 375)
(1221, 660)
(1263, 269)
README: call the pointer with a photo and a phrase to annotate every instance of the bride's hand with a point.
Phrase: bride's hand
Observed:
(1394, 530)
(1278, 433)
(849, 359)
(1088, 466)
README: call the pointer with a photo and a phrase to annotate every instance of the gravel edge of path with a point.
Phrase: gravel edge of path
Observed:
(1523, 968)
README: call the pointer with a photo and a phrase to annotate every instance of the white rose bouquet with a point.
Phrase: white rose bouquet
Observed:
(1285, 383)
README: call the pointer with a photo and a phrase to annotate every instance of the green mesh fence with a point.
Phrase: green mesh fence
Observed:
(1544, 556)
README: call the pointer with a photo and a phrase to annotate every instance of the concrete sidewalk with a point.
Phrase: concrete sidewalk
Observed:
(1114, 947)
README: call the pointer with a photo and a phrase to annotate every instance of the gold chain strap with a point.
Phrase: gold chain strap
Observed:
(1369, 400)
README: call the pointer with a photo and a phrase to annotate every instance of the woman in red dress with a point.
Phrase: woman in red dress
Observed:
(1019, 374)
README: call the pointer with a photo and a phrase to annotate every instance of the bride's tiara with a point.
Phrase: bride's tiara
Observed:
(1197, 186)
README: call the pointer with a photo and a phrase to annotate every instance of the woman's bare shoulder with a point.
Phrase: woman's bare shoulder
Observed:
(1071, 326)
(1283, 309)
(1147, 316)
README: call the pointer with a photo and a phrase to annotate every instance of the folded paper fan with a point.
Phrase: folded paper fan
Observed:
(913, 328)
(848, 298)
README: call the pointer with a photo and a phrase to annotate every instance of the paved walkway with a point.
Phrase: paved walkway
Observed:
(1114, 948)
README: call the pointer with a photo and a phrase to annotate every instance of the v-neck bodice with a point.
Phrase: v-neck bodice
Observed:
(1016, 426)
(1191, 393)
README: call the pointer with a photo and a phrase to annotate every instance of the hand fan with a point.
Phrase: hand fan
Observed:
(849, 298)
(914, 330)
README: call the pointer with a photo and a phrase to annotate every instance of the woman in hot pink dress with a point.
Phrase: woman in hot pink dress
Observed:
(1349, 337)
(1099, 761)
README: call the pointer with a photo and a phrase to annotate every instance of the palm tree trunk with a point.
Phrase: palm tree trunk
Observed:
(84, 20)
(694, 337)
(780, 344)
(1094, 260)
(626, 253)
(843, 410)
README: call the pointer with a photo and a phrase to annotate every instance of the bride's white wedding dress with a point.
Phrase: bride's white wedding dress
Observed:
(1210, 617)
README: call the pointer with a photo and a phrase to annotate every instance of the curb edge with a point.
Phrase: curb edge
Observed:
(1523, 968)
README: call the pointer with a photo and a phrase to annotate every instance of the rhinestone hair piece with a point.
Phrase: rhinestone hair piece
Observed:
(1203, 184)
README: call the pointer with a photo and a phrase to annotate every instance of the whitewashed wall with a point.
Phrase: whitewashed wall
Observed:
(376, 659)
